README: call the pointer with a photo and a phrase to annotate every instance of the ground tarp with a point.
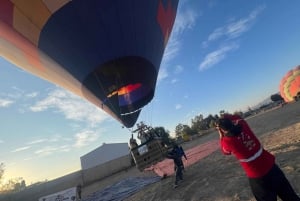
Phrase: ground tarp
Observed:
(129, 186)
(122, 189)
(166, 167)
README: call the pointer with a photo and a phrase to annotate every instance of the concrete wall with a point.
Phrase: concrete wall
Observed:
(99, 172)
(103, 154)
(83, 177)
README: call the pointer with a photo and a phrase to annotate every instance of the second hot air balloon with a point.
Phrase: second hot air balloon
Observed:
(290, 85)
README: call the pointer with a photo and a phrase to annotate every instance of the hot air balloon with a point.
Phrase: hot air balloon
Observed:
(290, 84)
(106, 51)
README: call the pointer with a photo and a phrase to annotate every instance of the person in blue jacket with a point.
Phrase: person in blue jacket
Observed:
(176, 154)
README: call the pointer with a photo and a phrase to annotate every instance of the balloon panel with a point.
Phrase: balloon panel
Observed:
(295, 86)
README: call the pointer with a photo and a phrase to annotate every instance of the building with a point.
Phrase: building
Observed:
(103, 154)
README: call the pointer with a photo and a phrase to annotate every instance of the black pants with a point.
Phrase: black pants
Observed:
(178, 173)
(273, 184)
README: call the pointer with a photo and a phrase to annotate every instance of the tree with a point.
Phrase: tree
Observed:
(210, 121)
(196, 119)
(188, 130)
(196, 124)
(199, 123)
(19, 185)
(179, 130)
(15, 184)
(165, 135)
(1, 171)
(222, 112)
(250, 109)
(182, 129)
(276, 97)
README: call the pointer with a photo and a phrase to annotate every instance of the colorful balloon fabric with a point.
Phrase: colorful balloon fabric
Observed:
(106, 51)
(290, 84)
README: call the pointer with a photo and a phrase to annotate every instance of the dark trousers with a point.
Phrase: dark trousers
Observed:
(178, 173)
(273, 184)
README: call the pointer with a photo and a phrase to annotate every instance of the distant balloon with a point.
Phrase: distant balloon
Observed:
(290, 84)
(107, 51)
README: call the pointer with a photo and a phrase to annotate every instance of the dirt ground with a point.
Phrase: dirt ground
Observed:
(218, 177)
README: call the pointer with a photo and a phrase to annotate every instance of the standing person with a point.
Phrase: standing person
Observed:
(132, 142)
(176, 155)
(179, 149)
(182, 152)
(143, 133)
(266, 179)
(79, 191)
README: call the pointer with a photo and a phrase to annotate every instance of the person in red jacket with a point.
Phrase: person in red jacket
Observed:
(266, 179)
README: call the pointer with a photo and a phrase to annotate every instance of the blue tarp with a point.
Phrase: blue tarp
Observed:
(122, 189)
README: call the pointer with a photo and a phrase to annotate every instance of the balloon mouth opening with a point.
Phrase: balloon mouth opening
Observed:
(129, 113)
(124, 85)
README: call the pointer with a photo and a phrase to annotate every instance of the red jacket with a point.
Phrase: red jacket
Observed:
(255, 161)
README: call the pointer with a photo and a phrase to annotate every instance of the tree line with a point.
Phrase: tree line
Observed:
(199, 123)
(12, 185)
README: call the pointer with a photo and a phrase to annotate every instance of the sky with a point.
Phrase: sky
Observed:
(222, 55)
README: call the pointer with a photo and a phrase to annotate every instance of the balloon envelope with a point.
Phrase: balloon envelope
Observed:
(107, 51)
(290, 84)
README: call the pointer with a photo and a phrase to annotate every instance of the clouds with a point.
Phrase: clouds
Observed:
(185, 20)
(49, 150)
(71, 106)
(38, 141)
(57, 100)
(217, 45)
(178, 106)
(5, 102)
(235, 28)
(56, 144)
(21, 149)
(225, 38)
(216, 56)
(84, 138)
(13, 95)
(226, 35)
(178, 69)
